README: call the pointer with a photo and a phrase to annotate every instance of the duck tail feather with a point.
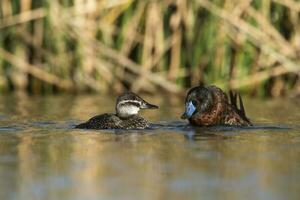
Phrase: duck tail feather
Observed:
(233, 98)
(81, 126)
(242, 108)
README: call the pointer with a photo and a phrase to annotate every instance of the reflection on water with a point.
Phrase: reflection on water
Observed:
(43, 157)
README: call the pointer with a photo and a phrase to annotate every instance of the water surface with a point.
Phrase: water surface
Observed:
(43, 157)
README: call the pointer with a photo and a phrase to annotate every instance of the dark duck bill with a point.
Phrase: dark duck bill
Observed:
(146, 105)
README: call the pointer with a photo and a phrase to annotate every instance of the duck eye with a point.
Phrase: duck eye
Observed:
(195, 103)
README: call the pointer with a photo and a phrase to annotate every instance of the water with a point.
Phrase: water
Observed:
(43, 157)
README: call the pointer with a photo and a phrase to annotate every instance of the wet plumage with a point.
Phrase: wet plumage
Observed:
(209, 105)
(126, 117)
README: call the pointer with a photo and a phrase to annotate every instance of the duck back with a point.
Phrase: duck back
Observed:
(103, 121)
(112, 121)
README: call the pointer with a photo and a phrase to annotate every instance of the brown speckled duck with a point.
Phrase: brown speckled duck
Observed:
(126, 117)
(209, 105)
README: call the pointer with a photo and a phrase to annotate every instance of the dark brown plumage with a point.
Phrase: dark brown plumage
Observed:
(209, 105)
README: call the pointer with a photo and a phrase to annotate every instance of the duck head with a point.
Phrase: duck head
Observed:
(129, 104)
(198, 100)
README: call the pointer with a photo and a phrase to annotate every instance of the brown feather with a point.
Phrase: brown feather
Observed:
(223, 111)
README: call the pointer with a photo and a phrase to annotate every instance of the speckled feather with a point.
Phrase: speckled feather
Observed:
(127, 107)
(112, 121)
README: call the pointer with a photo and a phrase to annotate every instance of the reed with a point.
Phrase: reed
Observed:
(103, 45)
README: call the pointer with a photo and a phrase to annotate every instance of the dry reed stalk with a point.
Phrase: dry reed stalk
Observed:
(34, 71)
(23, 17)
(31, 40)
(99, 44)
(259, 77)
(131, 38)
(255, 35)
(96, 81)
(152, 38)
(115, 12)
(136, 68)
(18, 76)
(153, 43)
(106, 20)
(6, 10)
(250, 33)
(293, 5)
(37, 60)
(220, 54)
(122, 60)
(175, 24)
(269, 29)
(130, 32)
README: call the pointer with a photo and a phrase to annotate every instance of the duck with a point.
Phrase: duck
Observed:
(209, 106)
(127, 107)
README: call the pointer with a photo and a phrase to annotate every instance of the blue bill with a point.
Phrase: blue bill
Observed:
(189, 109)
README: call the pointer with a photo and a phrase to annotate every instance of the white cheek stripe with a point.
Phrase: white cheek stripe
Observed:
(133, 101)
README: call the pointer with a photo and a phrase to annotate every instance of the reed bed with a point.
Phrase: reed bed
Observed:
(145, 45)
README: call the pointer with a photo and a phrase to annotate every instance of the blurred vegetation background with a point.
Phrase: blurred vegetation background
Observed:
(51, 46)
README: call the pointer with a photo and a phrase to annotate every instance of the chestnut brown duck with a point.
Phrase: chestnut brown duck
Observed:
(209, 105)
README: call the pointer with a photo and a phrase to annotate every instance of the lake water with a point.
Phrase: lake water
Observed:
(43, 157)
